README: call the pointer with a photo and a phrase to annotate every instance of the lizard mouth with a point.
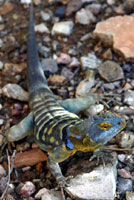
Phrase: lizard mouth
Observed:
(123, 125)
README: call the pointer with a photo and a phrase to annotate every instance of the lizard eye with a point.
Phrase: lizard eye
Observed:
(105, 126)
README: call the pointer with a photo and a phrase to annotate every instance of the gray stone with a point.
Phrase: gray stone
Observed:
(111, 71)
(1, 65)
(125, 139)
(129, 97)
(124, 185)
(14, 91)
(1, 43)
(84, 16)
(63, 28)
(50, 65)
(90, 61)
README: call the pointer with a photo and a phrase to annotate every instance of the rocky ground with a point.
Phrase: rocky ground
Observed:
(86, 46)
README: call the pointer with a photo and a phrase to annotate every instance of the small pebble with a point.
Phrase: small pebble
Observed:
(124, 185)
(2, 171)
(74, 63)
(27, 189)
(111, 71)
(1, 106)
(129, 97)
(110, 2)
(1, 65)
(124, 173)
(1, 19)
(49, 65)
(14, 91)
(121, 157)
(1, 140)
(129, 195)
(125, 139)
(85, 17)
(41, 28)
(45, 16)
(95, 8)
(72, 52)
(64, 59)
(1, 121)
(107, 55)
(1, 43)
(26, 1)
(6, 7)
(57, 79)
(60, 12)
(67, 73)
(73, 6)
(94, 110)
(90, 61)
(84, 87)
(63, 28)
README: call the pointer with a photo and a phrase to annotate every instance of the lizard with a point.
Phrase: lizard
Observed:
(57, 128)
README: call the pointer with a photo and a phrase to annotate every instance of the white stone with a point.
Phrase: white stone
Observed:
(1, 121)
(99, 184)
(46, 194)
(45, 16)
(41, 28)
(1, 65)
(84, 16)
(63, 28)
(94, 109)
(1, 43)
(26, 1)
(90, 61)
(2, 171)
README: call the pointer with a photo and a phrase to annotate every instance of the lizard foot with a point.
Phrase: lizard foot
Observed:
(100, 157)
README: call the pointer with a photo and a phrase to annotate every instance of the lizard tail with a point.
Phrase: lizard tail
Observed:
(35, 74)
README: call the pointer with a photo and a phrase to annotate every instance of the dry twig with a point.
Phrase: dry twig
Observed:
(10, 169)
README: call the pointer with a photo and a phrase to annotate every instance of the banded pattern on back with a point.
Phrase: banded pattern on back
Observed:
(50, 118)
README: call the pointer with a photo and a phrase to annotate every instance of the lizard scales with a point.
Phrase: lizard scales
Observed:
(57, 130)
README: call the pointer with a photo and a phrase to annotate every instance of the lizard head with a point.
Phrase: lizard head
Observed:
(97, 130)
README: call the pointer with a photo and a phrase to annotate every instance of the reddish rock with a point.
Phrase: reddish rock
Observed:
(57, 79)
(64, 59)
(29, 158)
(121, 30)
(124, 173)
(6, 8)
(73, 6)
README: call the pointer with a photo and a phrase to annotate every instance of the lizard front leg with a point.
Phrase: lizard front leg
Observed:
(21, 130)
(81, 103)
(59, 154)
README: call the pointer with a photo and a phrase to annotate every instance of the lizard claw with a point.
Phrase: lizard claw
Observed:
(100, 157)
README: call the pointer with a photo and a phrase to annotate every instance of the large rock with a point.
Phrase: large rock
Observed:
(120, 30)
(99, 184)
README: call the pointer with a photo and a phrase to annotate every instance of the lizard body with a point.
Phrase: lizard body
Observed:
(57, 130)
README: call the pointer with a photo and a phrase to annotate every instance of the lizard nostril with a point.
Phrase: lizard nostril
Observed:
(119, 123)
